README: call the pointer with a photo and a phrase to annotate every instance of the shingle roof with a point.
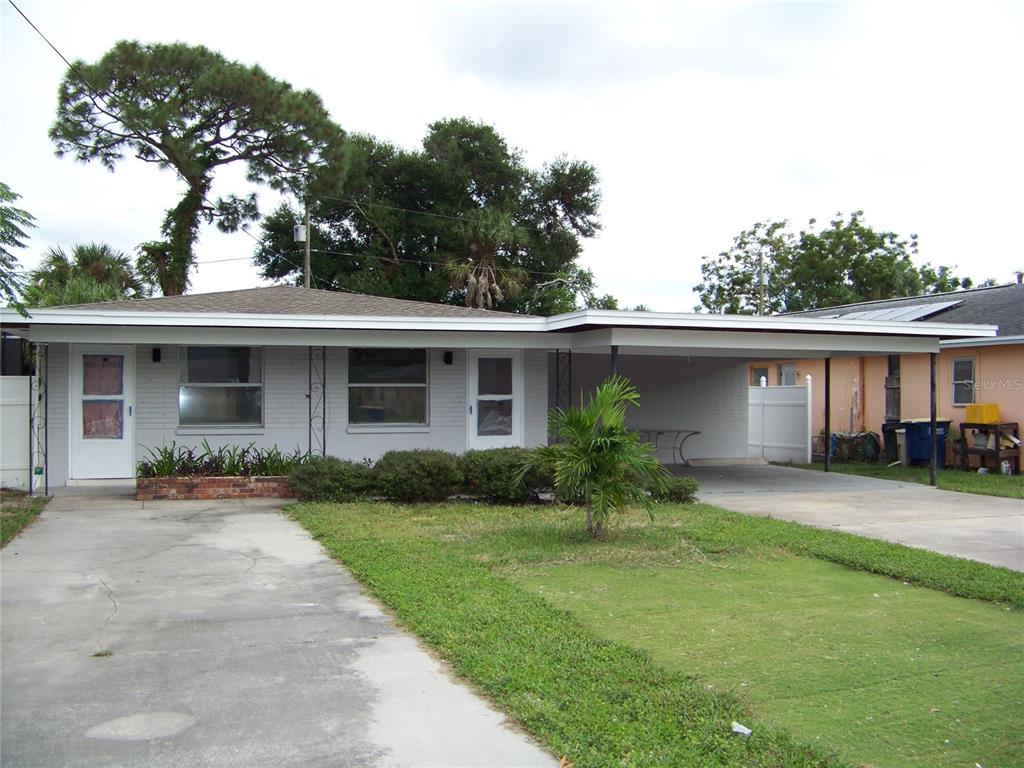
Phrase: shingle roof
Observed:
(291, 300)
(1001, 305)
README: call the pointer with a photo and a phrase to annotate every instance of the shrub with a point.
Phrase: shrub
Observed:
(226, 461)
(601, 461)
(679, 489)
(420, 475)
(497, 474)
(326, 478)
(272, 461)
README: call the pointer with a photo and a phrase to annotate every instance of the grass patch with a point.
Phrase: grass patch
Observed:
(1010, 486)
(600, 703)
(891, 674)
(450, 573)
(17, 510)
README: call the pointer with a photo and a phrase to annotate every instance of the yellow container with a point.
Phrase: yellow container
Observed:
(983, 413)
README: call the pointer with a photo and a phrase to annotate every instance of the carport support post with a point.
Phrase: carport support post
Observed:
(615, 359)
(933, 461)
(828, 414)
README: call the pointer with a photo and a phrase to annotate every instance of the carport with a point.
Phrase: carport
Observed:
(691, 370)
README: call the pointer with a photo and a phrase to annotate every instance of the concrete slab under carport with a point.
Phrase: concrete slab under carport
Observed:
(233, 640)
(989, 529)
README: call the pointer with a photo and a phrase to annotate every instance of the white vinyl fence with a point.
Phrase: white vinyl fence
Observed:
(14, 432)
(780, 423)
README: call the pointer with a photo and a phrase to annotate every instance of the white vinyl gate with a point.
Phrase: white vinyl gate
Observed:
(14, 431)
(780, 423)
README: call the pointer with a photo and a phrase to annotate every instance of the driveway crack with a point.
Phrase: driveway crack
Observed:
(110, 616)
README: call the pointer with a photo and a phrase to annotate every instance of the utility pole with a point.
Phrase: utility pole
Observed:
(760, 280)
(305, 262)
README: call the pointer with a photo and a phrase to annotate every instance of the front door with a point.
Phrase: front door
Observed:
(102, 401)
(495, 417)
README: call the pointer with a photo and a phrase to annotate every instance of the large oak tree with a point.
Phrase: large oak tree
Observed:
(188, 109)
(460, 220)
(844, 263)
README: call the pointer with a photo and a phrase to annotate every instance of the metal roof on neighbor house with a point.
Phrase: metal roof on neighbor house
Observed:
(1001, 305)
(292, 300)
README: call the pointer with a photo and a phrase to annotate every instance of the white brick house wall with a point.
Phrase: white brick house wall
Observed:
(708, 394)
(285, 406)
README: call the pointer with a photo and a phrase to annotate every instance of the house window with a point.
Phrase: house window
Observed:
(756, 374)
(787, 375)
(387, 386)
(963, 381)
(892, 389)
(220, 386)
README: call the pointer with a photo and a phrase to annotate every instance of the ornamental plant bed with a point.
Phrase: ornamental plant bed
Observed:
(204, 488)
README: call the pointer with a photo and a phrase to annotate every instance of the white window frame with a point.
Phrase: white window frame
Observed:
(184, 382)
(385, 426)
(974, 377)
(782, 375)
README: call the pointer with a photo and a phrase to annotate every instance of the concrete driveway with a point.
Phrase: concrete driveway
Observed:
(985, 528)
(216, 634)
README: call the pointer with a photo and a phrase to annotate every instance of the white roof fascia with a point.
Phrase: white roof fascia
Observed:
(300, 337)
(243, 320)
(619, 318)
(983, 341)
(568, 321)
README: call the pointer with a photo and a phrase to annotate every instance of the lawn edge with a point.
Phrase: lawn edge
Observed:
(346, 552)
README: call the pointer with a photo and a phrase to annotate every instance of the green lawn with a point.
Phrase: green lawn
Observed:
(640, 651)
(889, 674)
(1011, 486)
(17, 509)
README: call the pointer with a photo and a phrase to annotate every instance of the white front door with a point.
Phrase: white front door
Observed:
(102, 401)
(495, 400)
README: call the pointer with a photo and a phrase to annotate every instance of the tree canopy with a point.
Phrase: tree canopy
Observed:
(189, 109)
(845, 263)
(460, 220)
(13, 223)
(92, 273)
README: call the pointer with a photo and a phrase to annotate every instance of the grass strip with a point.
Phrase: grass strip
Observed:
(717, 530)
(990, 484)
(17, 510)
(599, 703)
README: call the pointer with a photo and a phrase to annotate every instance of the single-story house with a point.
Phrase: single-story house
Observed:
(869, 390)
(354, 376)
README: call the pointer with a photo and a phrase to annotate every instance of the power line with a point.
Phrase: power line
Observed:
(104, 98)
(355, 204)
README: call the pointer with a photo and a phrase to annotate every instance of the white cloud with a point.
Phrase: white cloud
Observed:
(701, 118)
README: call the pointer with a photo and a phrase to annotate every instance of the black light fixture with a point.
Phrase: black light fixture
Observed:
(448, 357)
(156, 354)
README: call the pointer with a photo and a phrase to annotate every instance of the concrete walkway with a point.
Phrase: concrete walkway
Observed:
(216, 634)
(985, 528)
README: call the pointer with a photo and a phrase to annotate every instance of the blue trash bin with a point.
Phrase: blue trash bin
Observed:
(919, 438)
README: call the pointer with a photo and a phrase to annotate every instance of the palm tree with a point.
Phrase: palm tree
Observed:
(600, 461)
(483, 270)
(93, 272)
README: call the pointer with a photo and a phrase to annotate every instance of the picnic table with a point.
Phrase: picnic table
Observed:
(653, 435)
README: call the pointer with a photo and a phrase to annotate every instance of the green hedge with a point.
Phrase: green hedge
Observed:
(326, 478)
(430, 475)
(497, 474)
(418, 475)
(682, 490)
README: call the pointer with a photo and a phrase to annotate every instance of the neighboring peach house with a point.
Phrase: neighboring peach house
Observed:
(866, 391)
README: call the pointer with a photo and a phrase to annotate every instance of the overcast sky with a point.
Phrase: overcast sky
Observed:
(701, 118)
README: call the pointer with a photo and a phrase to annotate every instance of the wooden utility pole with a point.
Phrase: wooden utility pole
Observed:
(305, 262)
